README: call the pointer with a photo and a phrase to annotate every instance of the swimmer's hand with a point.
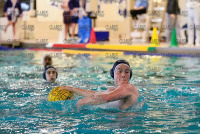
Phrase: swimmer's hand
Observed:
(65, 87)
(81, 92)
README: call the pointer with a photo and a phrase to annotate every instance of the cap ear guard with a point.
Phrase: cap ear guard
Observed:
(112, 73)
(131, 74)
(44, 76)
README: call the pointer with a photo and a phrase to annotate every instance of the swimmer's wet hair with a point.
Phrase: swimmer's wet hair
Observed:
(116, 64)
(45, 71)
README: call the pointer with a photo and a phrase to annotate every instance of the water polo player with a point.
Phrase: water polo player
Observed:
(47, 60)
(50, 74)
(123, 95)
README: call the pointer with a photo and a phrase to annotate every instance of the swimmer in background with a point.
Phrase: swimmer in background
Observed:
(47, 60)
(123, 95)
(50, 74)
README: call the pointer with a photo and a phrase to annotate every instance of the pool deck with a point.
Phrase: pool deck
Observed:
(163, 49)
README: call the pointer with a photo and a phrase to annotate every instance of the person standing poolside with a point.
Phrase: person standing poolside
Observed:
(74, 7)
(66, 16)
(193, 20)
(173, 11)
(139, 8)
(123, 95)
(12, 9)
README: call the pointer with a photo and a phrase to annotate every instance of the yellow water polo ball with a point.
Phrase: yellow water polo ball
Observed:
(57, 94)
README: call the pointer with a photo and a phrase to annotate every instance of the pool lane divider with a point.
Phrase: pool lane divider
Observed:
(161, 54)
(69, 45)
(119, 47)
(44, 49)
(85, 52)
(96, 48)
(3, 48)
(151, 49)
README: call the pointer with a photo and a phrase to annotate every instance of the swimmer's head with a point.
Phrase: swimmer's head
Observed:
(47, 60)
(50, 74)
(121, 71)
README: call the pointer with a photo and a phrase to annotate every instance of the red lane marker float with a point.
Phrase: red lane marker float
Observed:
(39, 49)
(69, 45)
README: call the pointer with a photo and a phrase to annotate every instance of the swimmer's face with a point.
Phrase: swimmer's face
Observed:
(51, 75)
(47, 61)
(122, 74)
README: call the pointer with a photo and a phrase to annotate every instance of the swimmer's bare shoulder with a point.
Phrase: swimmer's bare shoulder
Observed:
(132, 96)
(127, 94)
(134, 90)
(128, 87)
(131, 89)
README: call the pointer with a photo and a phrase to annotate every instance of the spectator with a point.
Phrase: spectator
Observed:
(12, 10)
(193, 21)
(82, 10)
(66, 16)
(139, 8)
(74, 6)
(171, 16)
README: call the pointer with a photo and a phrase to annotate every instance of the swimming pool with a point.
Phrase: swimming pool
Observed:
(169, 88)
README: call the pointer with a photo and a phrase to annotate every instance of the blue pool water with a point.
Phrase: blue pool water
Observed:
(169, 90)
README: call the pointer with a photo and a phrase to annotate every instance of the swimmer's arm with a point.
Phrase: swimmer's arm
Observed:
(91, 100)
(122, 92)
(110, 89)
(81, 92)
(97, 99)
